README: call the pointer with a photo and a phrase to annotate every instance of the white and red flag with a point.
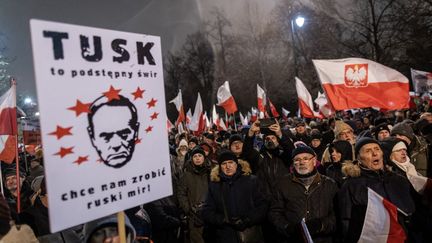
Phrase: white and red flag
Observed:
(188, 116)
(222, 126)
(254, 114)
(262, 99)
(225, 99)
(197, 123)
(207, 121)
(381, 222)
(273, 110)
(215, 116)
(359, 83)
(178, 102)
(170, 126)
(285, 113)
(324, 106)
(305, 100)
(243, 120)
(8, 125)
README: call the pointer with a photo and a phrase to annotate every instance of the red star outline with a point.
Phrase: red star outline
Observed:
(149, 129)
(151, 103)
(64, 151)
(80, 108)
(138, 93)
(61, 132)
(154, 116)
(81, 159)
(138, 140)
(112, 93)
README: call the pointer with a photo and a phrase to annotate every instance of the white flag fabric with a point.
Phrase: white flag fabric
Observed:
(178, 102)
(381, 222)
(422, 81)
(359, 83)
(262, 100)
(285, 112)
(323, 105)
(197, 118)
(305, 100)
(225, 99)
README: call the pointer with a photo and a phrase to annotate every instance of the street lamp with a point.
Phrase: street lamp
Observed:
(28, 100)
(299, 21)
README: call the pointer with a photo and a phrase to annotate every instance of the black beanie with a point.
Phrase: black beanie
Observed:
(227, 155)
(302, 149)
(403, 129)
(363, 141)
(233, 138)
(197, 150)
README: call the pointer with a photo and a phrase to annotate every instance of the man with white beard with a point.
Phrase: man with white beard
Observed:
(307, 194)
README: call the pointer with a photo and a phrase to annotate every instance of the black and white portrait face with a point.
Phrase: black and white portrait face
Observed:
(113, 130)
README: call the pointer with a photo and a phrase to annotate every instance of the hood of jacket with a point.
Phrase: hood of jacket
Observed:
(245, 167)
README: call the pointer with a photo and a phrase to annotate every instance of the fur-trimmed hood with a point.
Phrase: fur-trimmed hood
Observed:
(351, 169)
(245, 167)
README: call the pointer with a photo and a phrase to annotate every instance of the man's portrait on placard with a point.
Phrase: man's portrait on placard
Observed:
(113, 129)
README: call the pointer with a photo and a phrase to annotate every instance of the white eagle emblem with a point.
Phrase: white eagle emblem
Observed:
(356, 75)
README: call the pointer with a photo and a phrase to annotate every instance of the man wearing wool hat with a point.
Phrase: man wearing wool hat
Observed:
(304, 194)
(369, 172)
(343, 132)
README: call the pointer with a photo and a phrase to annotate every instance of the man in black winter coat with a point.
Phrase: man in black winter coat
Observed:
(304, 194)
(370, 172)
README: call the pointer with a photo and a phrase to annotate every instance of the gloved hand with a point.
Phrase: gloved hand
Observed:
(238, 224)
(314, 226)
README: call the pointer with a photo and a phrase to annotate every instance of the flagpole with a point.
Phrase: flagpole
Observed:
(1, 180)
(121, 226)
(235, 123)
(17, 176)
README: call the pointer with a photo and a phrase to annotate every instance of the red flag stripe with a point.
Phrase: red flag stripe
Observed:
(229, 105)
(396, 233)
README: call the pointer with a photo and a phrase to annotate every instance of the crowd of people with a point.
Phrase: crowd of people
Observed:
(276, 180)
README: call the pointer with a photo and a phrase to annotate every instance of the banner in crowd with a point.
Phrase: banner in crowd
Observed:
(422, 81)
(360, 83)
(103, 120)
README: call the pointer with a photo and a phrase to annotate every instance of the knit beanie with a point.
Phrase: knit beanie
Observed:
(227, 155)
(341, 126)
(363, 141)
(389, 144)
(197, 150)
(302, 149)
(379, 128)
(235, 137)
(403, 129)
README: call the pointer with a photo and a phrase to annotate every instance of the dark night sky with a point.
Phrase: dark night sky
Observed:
(170, 19)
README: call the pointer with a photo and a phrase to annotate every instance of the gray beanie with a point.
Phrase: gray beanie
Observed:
(403, 129)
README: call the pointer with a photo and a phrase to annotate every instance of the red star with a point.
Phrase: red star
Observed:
(61, 131)
(149, 129)
(81, 159)
(64, 151)
(138, 93)
(151, 103)
(154, 116)
(112, 94)
(138, 140)
(80, 108)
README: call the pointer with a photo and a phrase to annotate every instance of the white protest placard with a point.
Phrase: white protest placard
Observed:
(103, 120)
(422, 81)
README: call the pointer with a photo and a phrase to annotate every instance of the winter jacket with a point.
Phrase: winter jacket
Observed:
(238, 197)
(192, 187)
(294, 202)
(419, 154)
(353, 196)
(270, 164)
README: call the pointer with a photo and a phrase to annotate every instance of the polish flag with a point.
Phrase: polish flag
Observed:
(381, 222)
(273, 109)
(207, 120)
(359, 83)
(222, 126)
(262, 100)
(225, 99)
(285, 113)
(215, 116)
(323, 105)
(243, 120)
(249, 115)
(169, 125)
(305, 100)
(254, 114)
(197, 123)
(178, 102)
(8, 125)
(188, 116)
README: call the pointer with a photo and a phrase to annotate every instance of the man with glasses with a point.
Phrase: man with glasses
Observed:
(304, 194)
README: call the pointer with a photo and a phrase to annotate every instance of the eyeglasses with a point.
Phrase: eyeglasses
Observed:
(298, 160)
